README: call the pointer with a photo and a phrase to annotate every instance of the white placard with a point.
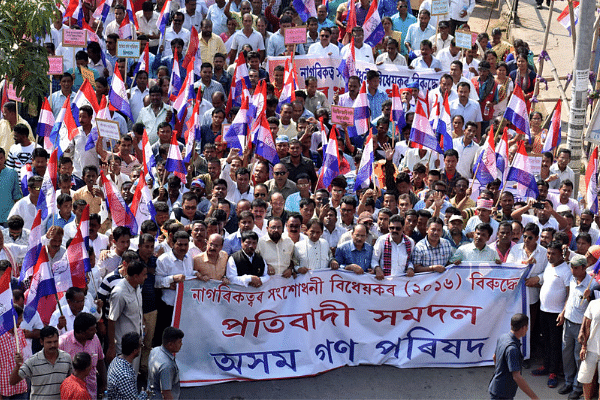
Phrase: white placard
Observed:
(108, 129)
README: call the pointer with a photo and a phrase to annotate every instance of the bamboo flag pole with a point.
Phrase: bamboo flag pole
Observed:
(572, 17)
(16, 333)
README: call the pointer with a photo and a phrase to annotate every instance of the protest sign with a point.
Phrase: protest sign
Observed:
(11, 93)
(439, 7)
(295, 35)
(463, 39)
(108, 129)
(327, 319)
(128, 49)
(88, 74)
(341, 115)
(74, 38)
(55, 65)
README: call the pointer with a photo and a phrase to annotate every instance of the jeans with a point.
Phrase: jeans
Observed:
(570, 353)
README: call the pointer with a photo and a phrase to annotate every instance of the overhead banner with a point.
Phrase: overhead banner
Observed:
(389, 74)
(328, 319)
(329, 79)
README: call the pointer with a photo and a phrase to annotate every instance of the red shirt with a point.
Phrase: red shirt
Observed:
(8, 347)
(74, 388)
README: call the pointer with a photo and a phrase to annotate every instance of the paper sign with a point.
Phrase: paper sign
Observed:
(12, 93)
(474, 38)
(341, 115)
(74, 38)
(88, 74)
(463, 39)
(296, 35)
(128, 48)
(55, 65)
(535, 165)
(439, 7)
(108, 129)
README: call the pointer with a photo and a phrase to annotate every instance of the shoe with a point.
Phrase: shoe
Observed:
(541, 371)
(526, 364)
(547, 3)
(565, 389)
(575, 394)
(552, 381)
(539, 6)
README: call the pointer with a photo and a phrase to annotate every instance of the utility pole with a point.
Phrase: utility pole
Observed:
(579, 100)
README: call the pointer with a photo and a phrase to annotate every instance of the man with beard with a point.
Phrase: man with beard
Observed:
(585, 226)
(210, 44)
(212, 264)
(245, 267)
(478, 251)
(392, 252)
(455, 234)
(276, 250)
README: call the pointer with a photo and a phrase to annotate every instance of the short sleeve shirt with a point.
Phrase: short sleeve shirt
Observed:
(508, 360)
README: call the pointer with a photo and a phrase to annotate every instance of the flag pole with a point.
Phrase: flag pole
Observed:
(16, 333)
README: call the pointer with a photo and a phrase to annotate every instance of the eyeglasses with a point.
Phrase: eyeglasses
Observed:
(402, 6)
(279, 173)
(325, 36)
(527, 237)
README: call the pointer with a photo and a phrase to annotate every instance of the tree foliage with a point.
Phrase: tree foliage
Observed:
(23, 58)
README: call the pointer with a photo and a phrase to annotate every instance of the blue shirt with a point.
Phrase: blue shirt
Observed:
(347, 254)
(402, 26)
(57, 220)
(375, 102)
(326, 24)
(508, 360)
(233, 243)
(78, 78)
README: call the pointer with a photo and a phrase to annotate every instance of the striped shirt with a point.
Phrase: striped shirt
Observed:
(19, 156)
(106, 287)
(46, 378)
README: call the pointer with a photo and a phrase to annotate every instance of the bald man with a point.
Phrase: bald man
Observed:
(212, 264)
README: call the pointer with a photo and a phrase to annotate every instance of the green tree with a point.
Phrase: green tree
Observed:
(23, 58)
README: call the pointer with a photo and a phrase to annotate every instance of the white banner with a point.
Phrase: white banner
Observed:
(328, 319)
(427, 79)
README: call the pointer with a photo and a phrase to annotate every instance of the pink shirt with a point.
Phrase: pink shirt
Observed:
(68, 343)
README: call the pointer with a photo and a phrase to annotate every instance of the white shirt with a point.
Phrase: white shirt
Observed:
(148, 27)
(333, 237)
(467, 156)
(68, 316)
(475, 220)
(218, 18)
(517, 254)
(191, 20)
(239, 39)
(474, 63)
(446, 58)
(400, 261)
(562, 175)
(412, 158)
(26, 210)
(167, 266)
(244, 280)
(554, 289)
(312, 255)
(594, 233)
(136, 100)
(572, 203)
(440, 43)
(317, 50)
(346, 101)
(420, 64)
(170, 34)
(151, 120)
(82, 157)
(593, 313)
(385, 59)
(470, 112)
(365, 53)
